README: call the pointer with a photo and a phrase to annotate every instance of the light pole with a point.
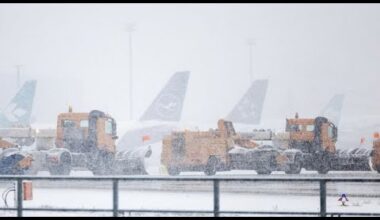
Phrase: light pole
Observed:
(250, 42)
(130, 29)
(18, 67)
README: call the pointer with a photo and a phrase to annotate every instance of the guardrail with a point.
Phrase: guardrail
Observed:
(216, 193)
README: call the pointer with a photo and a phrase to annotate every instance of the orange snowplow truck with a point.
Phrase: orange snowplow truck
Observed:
(315, 139)
(206, 151)
(376, 153)
(87, 140)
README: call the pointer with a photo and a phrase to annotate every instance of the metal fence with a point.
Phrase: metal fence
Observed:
(216, 193)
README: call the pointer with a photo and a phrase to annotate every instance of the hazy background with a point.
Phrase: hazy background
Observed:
(79, 53)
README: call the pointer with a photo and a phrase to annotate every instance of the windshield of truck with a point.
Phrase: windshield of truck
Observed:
(66, 123)
(108, 126)
(84, 123)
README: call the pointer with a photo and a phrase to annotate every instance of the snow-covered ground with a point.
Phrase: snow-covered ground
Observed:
(255, 197)
(164, 200)
(235, 196)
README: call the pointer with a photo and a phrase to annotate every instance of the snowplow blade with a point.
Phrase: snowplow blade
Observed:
(132, 162)
(357, 159)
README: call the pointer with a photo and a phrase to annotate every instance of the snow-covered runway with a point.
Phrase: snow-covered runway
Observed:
(234, 196)
(182, 200)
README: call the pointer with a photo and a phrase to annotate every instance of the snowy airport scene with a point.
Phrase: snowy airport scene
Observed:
(192, 110)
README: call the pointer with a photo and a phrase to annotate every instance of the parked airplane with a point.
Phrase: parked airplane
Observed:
(17, 114)
(160, 117)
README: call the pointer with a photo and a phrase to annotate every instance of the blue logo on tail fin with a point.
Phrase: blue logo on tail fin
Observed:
(248, 109)
(167, 106)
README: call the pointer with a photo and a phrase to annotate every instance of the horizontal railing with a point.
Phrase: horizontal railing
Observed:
(216, 193)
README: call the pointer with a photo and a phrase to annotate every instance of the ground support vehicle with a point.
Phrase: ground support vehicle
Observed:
(210, 151)
(313, 142)
(87, 140)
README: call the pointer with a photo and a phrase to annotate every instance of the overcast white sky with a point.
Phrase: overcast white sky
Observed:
(79, 55)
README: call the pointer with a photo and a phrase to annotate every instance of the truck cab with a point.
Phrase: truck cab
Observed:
(311, 135)
(83, 132)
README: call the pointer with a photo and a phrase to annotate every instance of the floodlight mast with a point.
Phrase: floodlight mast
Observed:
(130, 28)
(250, 42)
(18, 76)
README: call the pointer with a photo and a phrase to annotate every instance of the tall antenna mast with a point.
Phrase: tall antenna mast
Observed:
(130, 29)
(18, 68)
(250, 42)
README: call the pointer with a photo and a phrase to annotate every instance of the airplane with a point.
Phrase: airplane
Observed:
(159, 118)
(16, 117)
(17, 114)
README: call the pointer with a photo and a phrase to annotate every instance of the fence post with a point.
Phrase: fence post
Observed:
(216, 198)
(322, 197)
(115, 189)
(19, 197)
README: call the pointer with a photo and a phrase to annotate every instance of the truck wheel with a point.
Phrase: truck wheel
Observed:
(323, 163)
(264, 165)
(102, 165)
(173, 171)
(63, 168)
(263, 170)
(210, 169)
(98, 171)
(378, 169)
(323, 170)
(296, 167)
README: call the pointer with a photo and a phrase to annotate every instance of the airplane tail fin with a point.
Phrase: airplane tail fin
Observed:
(334, 108)
(18, 112)
(248, 109)
(167, 106)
